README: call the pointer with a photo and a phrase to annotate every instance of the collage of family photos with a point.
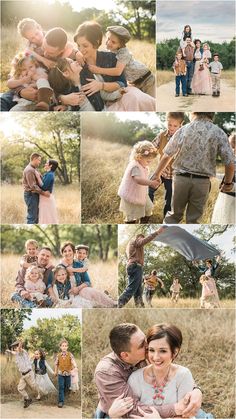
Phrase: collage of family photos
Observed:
(118, 153)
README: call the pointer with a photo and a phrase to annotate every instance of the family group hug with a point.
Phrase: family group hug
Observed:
(139, 286)
(41, 284)
(188, 157)
(52, 73)
(196, 69)
(140, 377)
(34, 372)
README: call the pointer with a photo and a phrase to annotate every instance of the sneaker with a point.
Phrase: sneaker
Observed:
(60, 404)
(185, 95)
(214, 94)
(176, 95)
(218, 93)
(27, 402)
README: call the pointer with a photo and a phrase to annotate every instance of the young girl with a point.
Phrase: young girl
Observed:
(62, 290)
(34, 284)
(206, 55)
(135, 72)
(187, 33)
(26, 71)
(210, 297)
(41, 376)
(133, 190)
(175, 290)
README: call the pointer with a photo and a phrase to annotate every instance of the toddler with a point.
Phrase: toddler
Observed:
(216, 67)
(180, 71)
(133, 190)
(30, 257)
(26, 71)
(150, 283)
(206, 55)
(135, 72)
(34, 285)
(64, 364)
(175, 290)
(210, 297)
(174, 122)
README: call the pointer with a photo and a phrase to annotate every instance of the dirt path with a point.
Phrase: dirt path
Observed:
(14, 409)
(166, 100)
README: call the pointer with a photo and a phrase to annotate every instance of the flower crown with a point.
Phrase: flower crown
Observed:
(20, 57)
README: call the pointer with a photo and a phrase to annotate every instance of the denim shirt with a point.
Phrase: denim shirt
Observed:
(108, 59)
(48, 181)
(63, 290)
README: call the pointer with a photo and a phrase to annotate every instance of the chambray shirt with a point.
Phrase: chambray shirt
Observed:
(48, 181)
(197, 146)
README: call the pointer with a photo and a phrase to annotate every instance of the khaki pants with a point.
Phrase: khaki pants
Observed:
(30, 380)
(190, 194)
(215, 78)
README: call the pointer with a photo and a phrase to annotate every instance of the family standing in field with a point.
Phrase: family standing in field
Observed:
(196, 70)
(34, 372)
(55, 74)
(136, 281)
(188, 155)
(41, 284)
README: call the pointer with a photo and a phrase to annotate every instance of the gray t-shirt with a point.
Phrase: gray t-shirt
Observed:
(216, 67)
(174, 390)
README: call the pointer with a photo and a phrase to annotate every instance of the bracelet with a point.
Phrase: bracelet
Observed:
(198, 388)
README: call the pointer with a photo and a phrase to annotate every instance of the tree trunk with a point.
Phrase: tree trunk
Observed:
(99, 236)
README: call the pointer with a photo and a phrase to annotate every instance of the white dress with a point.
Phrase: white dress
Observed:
(44, 382)
(75, 301)
(224, 209)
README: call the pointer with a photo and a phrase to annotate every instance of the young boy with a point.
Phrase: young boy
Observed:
(24, 365)
(150, 283)
(81, 253)
(64, 364)
(31, 256)
(180, 71)
(216, 67)
(136, 72)
(174, 122)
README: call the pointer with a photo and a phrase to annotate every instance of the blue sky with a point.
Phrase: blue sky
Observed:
(210, 20)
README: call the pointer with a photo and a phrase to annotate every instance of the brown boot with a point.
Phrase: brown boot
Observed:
(145, 220)
(44, 98)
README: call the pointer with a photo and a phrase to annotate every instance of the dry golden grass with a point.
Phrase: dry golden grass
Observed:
(104, 276)
(161, 302)
(100, 182)
(208, 351)
(10, 377)
(12, 43)
(13, 208)
(229, 76)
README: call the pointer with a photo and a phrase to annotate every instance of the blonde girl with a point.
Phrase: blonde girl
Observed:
(34, 284)
(210, 297)
(25, 72)
(133, 190)
(206, 55)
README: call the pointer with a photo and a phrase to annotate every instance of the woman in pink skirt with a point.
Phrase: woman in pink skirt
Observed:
(47, 204)
(201, 82)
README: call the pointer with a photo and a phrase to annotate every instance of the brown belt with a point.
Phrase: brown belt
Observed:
(142, 78)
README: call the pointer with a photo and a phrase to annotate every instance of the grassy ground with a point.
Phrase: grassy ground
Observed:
(100, 182)
(161, 302)
(13, 208)
(165, 76)
(103, 276)
(10, 377)
(208, 351)
(12, 43)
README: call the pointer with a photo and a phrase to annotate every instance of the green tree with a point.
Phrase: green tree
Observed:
(12, 325)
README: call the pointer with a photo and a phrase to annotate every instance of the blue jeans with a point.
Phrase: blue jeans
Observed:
(64, 383)
(190, 70)
(203, 415)
(6, 101)
(32, 202)
(16, 298)
(134, 287)
(168, 195)
(183, 81)
(99, 414)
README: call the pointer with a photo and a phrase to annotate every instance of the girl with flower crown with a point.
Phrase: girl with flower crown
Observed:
(133, 190)
(26, 71)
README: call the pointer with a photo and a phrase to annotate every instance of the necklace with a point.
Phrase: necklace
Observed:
(159, 387)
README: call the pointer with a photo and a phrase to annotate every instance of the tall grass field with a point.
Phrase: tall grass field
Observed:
(208, 351)
(101, 175)
(103, 277)
(13, 207)
(164, 302)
